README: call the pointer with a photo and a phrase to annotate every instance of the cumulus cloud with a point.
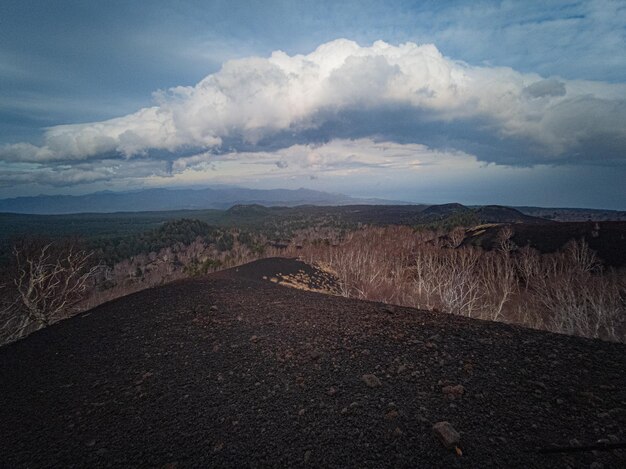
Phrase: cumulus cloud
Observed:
(251, 101)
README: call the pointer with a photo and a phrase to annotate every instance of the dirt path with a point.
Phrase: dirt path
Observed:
(231, 371)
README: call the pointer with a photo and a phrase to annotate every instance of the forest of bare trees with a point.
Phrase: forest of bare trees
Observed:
(568, 291)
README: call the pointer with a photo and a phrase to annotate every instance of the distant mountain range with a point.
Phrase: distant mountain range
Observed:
(174, 199)
(225, 197)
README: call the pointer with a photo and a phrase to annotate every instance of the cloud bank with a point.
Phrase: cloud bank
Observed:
(337, 158)
(407, 93)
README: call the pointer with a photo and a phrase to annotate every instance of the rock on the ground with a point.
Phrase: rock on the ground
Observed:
(453, 391)
(446, 433)
(371, 380)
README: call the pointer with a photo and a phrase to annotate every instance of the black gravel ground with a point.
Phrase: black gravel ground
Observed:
(229, 371)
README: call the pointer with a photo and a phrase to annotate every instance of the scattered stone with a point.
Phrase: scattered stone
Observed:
(398, 432)
(391, 415)
(213, 308)
(307, 455)
(315, 355)
(389, 309)
(344, 411)
(401, 369)
(332, 391)
(446, 433)
(453, 392)
(254, 339)
(301, 412)
(371, 380)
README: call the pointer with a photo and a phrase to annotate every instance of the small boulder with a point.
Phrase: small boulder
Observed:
(371, 380)
(446, 433)
(453, 392)
(391, 415)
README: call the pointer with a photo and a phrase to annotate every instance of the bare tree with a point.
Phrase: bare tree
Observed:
(581, 256)
(505, 243)
(49, 283)
(498, 281)
(455, 237)
(528, 265)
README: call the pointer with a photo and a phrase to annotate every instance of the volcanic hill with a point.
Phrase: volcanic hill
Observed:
(235, 370)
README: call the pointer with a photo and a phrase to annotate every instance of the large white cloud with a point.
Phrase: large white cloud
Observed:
(253, 99)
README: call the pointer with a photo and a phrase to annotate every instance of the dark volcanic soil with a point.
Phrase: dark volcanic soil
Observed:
(606, 238)
(272, 376)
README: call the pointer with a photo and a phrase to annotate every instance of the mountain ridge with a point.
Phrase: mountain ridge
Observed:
(163, 199)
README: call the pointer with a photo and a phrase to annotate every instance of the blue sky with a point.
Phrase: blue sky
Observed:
(477, 102)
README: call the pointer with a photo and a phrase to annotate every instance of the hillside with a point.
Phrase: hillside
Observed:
(501, 214)
(250, 215)
(574, 214)
(606, 238)
(233, 370)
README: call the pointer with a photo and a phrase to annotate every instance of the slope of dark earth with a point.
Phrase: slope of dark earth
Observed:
(291, 272)
(606, 238)
(443, 210)
(574, 214)
(500, 214)
(272, 376)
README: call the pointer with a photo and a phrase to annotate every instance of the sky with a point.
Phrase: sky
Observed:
(478, 102)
